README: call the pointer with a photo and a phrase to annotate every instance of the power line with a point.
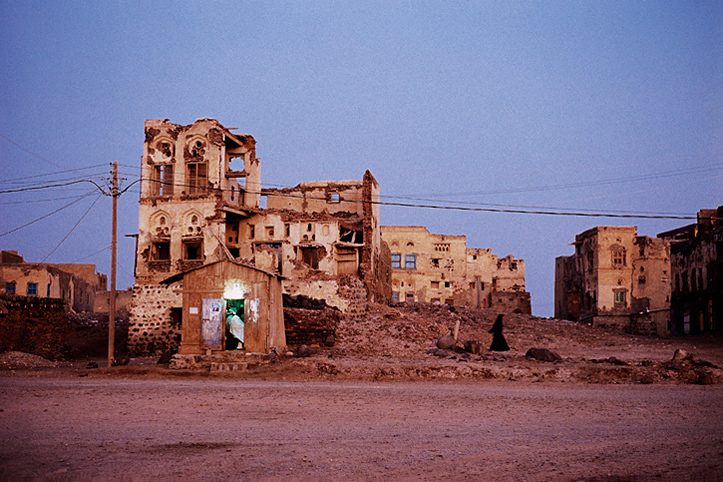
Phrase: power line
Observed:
(534, 207)
(29, 152)
(72, 229)
(38, 201)
(469, 207)
(604, 182)
(490, 209)
(46, 216)
(92, 254)
(49, 186)
(51, 174)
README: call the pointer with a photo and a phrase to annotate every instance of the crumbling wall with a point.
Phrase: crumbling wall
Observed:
(153, 326)
(346, 293)
(123, 300)
(32, 325)
(334, 197)
(381, 287)
(309, 322)
(612, 322)
(353, 290)
(318, 289)
(511, 301)
(446, 271)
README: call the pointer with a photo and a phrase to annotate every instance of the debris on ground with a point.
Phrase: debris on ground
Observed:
(543, 354)
(14, 360)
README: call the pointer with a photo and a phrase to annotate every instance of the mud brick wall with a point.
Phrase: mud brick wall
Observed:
(153, 327)
(33, 325)
(310, 327)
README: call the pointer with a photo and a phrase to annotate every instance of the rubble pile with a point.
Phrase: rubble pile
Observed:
(402, 341)
(13, 360)
(409, 330)
(87, 335)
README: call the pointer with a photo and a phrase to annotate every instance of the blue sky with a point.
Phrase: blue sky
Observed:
(579, 106)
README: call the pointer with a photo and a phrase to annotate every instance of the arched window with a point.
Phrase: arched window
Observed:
(161, 160)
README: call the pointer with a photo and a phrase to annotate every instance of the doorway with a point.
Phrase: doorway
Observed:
(234, 332)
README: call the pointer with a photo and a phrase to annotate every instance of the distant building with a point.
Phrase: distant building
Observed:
(201, 203)
(696, 252)
(615, 279)
(440, 268)
(76, 284)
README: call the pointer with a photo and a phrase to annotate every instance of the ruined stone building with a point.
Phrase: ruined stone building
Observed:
(616, 279)
(200, 203)
(75, 284)
(696, 253)
(441, 268)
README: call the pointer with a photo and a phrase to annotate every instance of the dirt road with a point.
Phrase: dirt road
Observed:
(162, 428)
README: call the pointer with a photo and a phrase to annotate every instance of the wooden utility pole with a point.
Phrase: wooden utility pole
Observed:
(114, 249)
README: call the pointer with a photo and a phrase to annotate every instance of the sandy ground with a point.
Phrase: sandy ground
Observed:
(105, 427)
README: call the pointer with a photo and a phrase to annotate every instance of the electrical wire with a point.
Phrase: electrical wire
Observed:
(487, 208)
(46, 216)
(29, 152)
(38, 201)
(51, 174)
(603, 182)
(92, 254)
(72, 229)
(49, 186)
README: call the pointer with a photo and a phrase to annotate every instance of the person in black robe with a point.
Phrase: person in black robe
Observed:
(498, 340)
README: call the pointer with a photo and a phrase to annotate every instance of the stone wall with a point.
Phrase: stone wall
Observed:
(155, 322)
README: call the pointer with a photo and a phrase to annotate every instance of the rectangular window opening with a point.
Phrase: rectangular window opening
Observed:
(410, 261)
(192, 250)
(196, 177)
(396, 261)
(161, 250)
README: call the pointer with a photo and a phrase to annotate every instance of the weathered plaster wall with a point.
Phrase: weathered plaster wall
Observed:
(615, 279)
(78, 293)
(446, 271)
(333, 197)
(319, 289)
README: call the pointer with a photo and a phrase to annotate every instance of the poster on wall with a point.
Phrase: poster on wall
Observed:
(212, 323)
